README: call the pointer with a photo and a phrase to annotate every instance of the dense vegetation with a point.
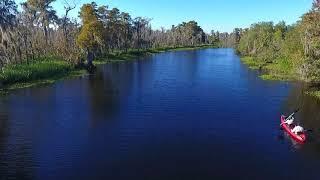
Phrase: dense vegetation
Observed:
(38, 33)
(286, 51)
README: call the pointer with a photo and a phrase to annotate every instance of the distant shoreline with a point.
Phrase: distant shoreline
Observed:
(50, 70)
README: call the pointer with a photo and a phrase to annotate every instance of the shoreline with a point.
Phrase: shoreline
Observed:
(271, 71)
(132, 54)
(276, 72)
(68, 71)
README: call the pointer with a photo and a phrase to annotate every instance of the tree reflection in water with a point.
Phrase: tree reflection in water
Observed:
(308, 116)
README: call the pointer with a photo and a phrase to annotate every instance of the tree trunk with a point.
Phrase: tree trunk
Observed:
(90, 57)
(26, 48)
(46, 34)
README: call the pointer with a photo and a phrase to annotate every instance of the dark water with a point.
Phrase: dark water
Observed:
(177, 115)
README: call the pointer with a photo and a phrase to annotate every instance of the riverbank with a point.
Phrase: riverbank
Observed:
(132, 54)
(36, 73)
(49, 70)
(279, 70)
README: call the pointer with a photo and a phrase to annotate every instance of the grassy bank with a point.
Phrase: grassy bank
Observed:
(48, 70)
(315, 94)
(251, 62)
(183, 48)
(40, 72)
(133, 53)
(280, 69)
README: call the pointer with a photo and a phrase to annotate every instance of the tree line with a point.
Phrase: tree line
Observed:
(36, 32)
(296, 47)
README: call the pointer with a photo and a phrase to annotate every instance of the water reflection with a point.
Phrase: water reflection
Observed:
(308, 116)
(175, 115)
(16, 160)
(103, 97)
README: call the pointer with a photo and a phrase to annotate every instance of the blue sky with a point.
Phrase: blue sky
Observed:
(222, 15)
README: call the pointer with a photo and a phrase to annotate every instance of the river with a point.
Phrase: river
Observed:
(198, 114)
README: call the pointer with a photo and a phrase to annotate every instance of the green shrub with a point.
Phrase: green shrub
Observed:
(36, 70)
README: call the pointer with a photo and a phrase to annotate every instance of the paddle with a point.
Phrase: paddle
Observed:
(297, 110)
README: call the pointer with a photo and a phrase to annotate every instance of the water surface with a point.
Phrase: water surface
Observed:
(177, 115)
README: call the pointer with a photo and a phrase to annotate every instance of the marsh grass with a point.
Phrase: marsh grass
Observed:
(132, 54)
(47, 70)
(251, 62)
(41, 82)
(280, 69)
(34, 71)
(315, 94)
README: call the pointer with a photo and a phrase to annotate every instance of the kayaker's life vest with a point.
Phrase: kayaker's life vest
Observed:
(297, 129)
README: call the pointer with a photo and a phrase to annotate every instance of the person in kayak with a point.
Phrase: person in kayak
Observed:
(297, 130)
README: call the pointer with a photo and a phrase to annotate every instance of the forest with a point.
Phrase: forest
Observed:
(284, 51)
(35, 43)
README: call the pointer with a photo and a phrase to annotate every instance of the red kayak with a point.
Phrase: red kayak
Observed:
(301, 137)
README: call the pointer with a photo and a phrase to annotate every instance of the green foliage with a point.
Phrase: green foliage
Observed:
(258, 41)
(252, 62)
(44, 12)
(280, 69)
(292, 48)
(192, 32)
(88, 13)
(310, 30)
(90, 36)
(8, 12)
(135, 53)
(36, 31)
(315, 94)
(288, 51)
(35, 71)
